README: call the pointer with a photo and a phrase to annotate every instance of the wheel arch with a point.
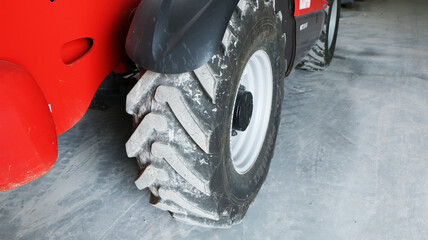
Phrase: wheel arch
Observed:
(175, 36)
(158, 41)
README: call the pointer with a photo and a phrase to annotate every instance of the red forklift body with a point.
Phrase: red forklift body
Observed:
(302, 7)
(63, 50)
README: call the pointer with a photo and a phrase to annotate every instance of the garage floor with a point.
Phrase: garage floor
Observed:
(351, 160)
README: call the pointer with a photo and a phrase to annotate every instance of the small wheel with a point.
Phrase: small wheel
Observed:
(205, 138)
(321, 54)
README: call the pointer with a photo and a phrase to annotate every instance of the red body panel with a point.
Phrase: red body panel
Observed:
(27, 132)
(67, 48)
(35, 35)
(301, 6)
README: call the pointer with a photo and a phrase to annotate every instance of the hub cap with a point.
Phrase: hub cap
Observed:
(243, 110)
(256, 83)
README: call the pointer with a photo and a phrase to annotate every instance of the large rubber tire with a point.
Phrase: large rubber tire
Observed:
(321, 54)
(184, 125)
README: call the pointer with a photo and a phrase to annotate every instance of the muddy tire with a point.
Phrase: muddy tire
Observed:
(321, 54)
(183, 139)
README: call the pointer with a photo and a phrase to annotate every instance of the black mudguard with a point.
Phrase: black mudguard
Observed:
(286, 7)
(176, 36)
(308, 30)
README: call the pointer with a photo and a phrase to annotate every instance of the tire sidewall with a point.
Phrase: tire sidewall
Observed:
(329, 51)
(259, 32)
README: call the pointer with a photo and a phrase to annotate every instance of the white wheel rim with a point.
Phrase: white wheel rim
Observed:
(256, 78)
(332, 23)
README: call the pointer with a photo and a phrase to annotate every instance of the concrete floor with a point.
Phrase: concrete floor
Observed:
(351, 160)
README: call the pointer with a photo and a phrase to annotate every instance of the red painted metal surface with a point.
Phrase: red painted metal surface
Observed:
(39, 35)
(302, 7)
(67, 48)
(28, 141)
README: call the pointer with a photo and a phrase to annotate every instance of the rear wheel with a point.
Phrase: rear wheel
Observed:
(205, 138)
(321, 54)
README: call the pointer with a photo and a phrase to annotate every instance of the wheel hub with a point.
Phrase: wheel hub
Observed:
(252, 112)
(243, 110)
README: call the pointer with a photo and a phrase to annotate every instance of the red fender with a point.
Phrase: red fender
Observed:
(28, 140)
